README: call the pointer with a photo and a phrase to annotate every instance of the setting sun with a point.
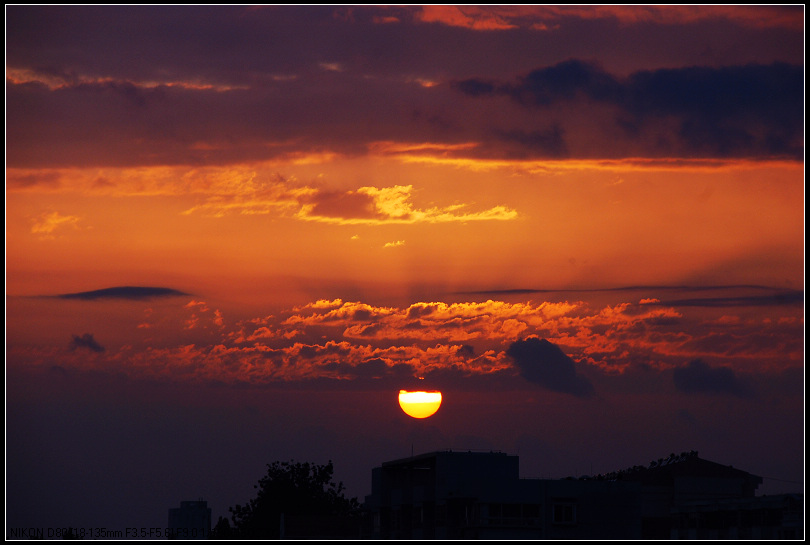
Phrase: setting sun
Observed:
(420, 404)
(235, 242)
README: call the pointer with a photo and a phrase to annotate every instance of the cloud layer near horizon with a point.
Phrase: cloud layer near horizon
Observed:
(561, 347)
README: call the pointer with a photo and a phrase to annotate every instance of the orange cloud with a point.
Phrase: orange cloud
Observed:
(390, 147)
(18, 76)
(252, 195)
(372, 205)
(452, 156)
(200, 317)
(472, 17)
(458, 322)
(345, 340)
(248, 190)
(754, 16)
(385, 19)
(260, 364)
(47, 224)
(549, 16)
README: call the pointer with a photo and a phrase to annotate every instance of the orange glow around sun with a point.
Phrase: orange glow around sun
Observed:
(420, 404)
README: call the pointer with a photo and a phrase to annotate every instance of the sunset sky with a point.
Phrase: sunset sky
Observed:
(233, 234)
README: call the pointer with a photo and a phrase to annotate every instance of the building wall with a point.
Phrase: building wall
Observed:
(192, 520)
(763, 517)
(588, 509)
(462, 495)
(468, 495)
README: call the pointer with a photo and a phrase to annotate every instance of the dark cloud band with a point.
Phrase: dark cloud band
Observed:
(123, 292)
(730, 111)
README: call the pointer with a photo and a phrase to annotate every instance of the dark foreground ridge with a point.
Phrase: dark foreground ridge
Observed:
(123, 292)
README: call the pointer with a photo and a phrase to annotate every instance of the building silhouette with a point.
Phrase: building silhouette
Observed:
(479, 495)
(672, 482)
(779, 516)
(192, 520)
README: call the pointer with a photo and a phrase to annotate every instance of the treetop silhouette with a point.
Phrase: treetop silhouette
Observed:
(292, 489)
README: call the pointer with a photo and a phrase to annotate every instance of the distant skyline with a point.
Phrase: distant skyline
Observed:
(233, 234)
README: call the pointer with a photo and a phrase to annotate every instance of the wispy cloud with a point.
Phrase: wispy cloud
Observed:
(202, 317)
(779, 297)
(48, 224)
(21, 180)
(55, 81)
(490, 18)
(365, 205)
(252, 194)
(373, 205)
(472, 17)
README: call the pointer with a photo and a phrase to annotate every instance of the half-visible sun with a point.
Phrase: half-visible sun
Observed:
(420, 404)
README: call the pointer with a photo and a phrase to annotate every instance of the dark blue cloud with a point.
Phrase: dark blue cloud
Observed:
(123, 292)
(730, 111)
(550, 142)
(476, 87)
(564, 81)
(716, 296)
(789, 297)
(86, 341)
(698, 377)
(466, 351)
(543, 363)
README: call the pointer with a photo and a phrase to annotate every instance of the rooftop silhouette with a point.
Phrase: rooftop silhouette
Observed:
(479, 495)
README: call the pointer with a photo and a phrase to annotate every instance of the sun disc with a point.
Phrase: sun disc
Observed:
(420, 404)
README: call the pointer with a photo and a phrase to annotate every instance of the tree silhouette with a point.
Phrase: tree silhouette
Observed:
(289, 490)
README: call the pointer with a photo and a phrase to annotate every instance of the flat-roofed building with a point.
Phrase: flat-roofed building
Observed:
(192, 520)
(480, 495)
